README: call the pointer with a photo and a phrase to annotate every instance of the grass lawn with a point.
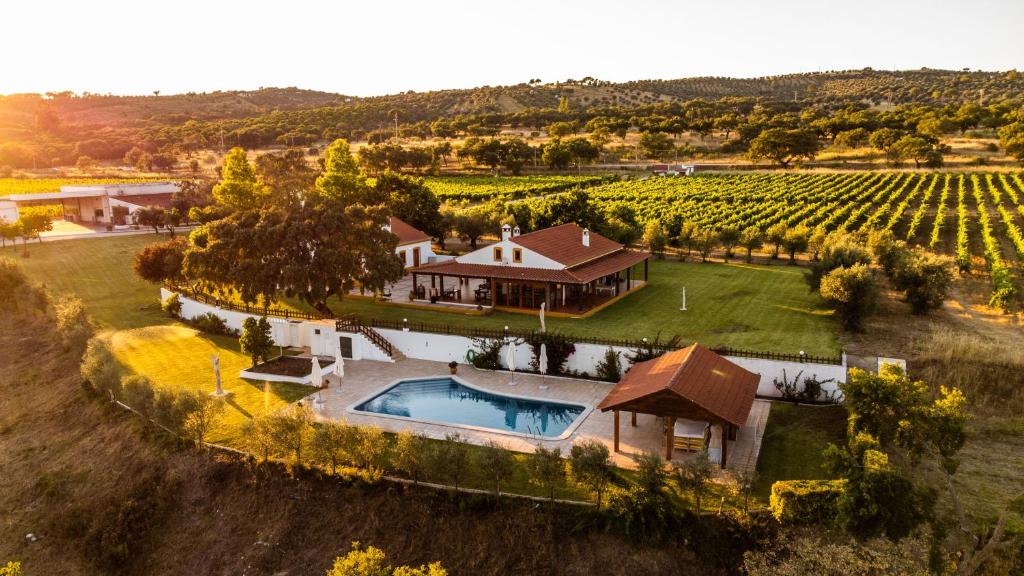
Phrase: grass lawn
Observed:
(738, 305)
(143, 338)
(794, 439)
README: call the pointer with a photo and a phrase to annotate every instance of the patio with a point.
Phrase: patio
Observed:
(365, 378)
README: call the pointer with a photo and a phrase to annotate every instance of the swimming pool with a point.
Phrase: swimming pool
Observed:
(445, 400)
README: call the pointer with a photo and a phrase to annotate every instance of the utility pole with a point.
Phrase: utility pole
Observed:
(396, 126)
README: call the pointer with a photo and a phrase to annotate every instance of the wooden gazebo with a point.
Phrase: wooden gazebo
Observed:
(693, 383)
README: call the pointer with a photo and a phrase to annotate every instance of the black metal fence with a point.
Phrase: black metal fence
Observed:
(247, 308)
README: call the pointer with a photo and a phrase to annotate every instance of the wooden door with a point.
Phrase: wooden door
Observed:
(416, 256)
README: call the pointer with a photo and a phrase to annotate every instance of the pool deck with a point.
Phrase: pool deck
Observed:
(365, 378)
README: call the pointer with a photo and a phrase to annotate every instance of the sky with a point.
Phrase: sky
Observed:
(383, 47)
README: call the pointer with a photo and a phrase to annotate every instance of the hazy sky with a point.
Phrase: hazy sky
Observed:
(380, 47)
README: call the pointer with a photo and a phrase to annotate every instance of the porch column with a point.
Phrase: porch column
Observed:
(616, 435)
(634, 419)
(414, 285)
(645, 270)
(725, 442)
(442, 283)
(494, 292)
(629, 279)
(616, 283)
(670, 429)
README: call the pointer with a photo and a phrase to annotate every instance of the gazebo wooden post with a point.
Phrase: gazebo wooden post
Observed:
(629, 279)
(616, 283)
(670, 428)
(725, 443)
(616, 412)
(633, 417)
(494, 292)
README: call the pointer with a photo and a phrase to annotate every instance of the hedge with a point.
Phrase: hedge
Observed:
(806, 501)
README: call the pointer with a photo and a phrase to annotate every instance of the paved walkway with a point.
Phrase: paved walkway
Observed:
(365, 377)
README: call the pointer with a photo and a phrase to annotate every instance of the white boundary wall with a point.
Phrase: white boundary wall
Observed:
(322, 339)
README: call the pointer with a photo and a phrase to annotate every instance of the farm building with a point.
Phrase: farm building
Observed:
(568, 268)
(93, 204)
(413, 245)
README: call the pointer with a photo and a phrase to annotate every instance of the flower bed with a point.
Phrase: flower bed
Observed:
(287, 369)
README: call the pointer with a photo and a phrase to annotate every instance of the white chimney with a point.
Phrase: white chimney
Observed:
(506, 232)
(515, 231)
(586, 237)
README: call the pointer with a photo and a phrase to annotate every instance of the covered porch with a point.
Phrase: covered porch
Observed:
(690, 393)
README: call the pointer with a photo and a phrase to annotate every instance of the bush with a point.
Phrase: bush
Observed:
(559, 348)
(256, 340)
(643, 516)
(487, 356)
(73, 323)
(610, 367)
(853, 292)
(17, 293)
(212, 324)
(806, 501)
(172, 306)
(99, 368)
(137, 392)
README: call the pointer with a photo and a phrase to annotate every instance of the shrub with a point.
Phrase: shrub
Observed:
(926, 279)
(496, 463)
(487, 356)
(591, 466)
(838, 250)
(559, 348)
(172, 306)
(642, 515)
(373, 562)
(73, 323)
(651, 349)
(853, 292)
(806, 501)
(610, 367)
(256, 340)
(546, 468)
(137, 392)
(411, 454)
(212, 324)
(17, 293)
(449, 460)
(650, 472)
(99, 368)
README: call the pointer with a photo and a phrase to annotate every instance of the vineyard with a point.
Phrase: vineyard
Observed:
(39, 185)
(976, 217)
(483, 188)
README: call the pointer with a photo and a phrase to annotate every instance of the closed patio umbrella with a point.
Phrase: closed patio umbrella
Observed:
(317, 379)
(542, 362)
(339, 366)
(511, 360)
(543, 305)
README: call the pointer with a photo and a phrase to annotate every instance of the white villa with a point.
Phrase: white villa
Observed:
(413, 245)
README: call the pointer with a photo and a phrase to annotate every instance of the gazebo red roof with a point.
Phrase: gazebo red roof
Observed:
(692, 382)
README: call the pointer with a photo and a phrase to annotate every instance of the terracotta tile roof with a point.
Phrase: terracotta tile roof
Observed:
(406, 233)
(453, 268)
(607, 265)
(564, 244)
(687, 378)
(579, 275)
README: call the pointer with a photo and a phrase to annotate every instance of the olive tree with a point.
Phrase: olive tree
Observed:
(496, 463)
(547, 469)
(591, 466)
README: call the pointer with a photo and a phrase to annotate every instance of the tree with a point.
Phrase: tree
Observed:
(705, 240)
(1011, 138)
(917, 149)
(256, 340)
(259, 438)
(313, 252)
(556, 155)
(412, 201)
(591, 466)
(85, 164)
(884, 139)
(693, 476)
(327, 443)
(728, 236)
(160, 262)
(654, 238)
(838, 250)
(784, 146)
(9, 231)
(562, 129)
(776, 235)
(853, 292)
(239, 188)
(370, 447)
(32, 223)
(751, 239)
(546, 469)
(650, 472)
(73, 323)
(289, 430)
(816, 241)
(796, 240)
(99, 367)
(201, 412)
(609, 368)
(450, 459)
(854, 138)
(926, 280)
(151, 216)
(497, 463)
(411, 454)
(172, 219)
(656, 145)
(287, 176)
(687, 235)
(471, 226)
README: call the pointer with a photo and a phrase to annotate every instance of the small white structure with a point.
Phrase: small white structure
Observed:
(93, 204)
(673, 169)
(414, 246)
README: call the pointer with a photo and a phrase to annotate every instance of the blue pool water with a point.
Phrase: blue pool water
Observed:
(445, 400)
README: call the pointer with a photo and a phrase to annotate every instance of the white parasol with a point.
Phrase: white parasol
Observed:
(511, 360)
(542, 362)
(339, 366)
(543, 328)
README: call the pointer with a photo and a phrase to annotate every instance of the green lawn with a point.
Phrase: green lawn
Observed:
(794, 439)
(143, 338)
(738, 305)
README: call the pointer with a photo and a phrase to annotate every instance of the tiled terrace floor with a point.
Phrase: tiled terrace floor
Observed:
(365, 378)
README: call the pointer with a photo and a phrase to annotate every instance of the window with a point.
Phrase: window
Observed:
(517, 255)
(497, 254)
